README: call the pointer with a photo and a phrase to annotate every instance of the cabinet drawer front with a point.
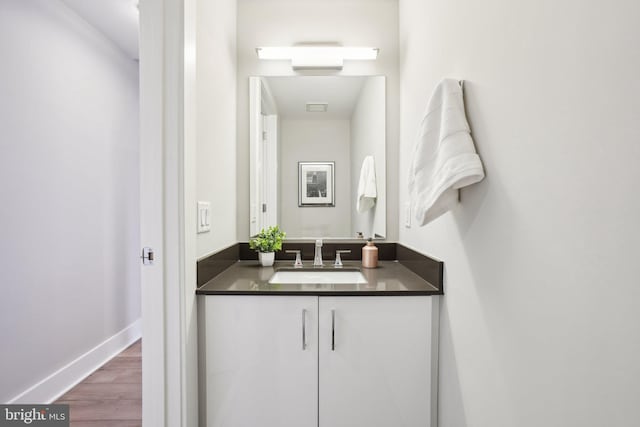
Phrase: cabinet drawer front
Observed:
(377, 361)
(257, 371)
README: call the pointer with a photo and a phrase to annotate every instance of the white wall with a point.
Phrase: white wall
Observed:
(69, 264)
(286, 22)
(210, 112)
(314, 140)
(540, 323)
(367, 139)
(216, 121)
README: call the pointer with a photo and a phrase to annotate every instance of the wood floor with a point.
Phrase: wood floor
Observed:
(112, 395)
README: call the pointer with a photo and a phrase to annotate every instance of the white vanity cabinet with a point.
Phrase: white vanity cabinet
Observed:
(298, 361)
(256, 371)
(379, 371)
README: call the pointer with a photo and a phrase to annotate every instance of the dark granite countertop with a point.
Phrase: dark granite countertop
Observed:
(249, 278)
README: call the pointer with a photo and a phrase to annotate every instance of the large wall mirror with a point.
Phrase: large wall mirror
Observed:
(317, 156)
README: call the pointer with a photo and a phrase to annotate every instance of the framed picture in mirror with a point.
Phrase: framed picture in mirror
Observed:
(316, 184)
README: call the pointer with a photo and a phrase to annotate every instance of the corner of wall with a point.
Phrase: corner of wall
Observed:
(216, 127)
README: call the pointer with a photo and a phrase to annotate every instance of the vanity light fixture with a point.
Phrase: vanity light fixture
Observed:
(315, 57)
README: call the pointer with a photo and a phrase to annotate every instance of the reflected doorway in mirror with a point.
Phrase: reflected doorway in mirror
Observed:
(316, 184)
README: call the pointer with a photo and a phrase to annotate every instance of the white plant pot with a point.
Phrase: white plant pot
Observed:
(266, 258)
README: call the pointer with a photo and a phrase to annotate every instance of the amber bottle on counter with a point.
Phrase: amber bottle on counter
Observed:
(369, 255)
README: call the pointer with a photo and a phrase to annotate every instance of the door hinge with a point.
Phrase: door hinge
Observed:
(264, 135)
(147, 255)
(264, 207)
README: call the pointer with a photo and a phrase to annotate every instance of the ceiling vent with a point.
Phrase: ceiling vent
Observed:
(317, 107)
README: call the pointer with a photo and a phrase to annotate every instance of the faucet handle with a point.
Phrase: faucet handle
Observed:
(298, 261)
(338, 262)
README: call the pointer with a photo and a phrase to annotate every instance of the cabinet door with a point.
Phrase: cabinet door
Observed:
(377, 361)
(257, 371)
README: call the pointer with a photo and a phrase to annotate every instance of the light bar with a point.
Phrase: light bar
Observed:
(317, 56)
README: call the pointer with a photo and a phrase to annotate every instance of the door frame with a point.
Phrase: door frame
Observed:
(151, 226)
(167, 142)
(263, 156)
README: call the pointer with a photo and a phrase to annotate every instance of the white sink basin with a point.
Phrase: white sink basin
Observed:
(333, 276)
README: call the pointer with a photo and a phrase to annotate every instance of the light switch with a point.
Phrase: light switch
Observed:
(204, 217)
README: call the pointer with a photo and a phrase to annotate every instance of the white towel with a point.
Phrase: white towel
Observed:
(444, 158)
(367, 192)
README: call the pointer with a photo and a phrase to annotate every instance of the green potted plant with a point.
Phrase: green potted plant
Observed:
(266, 243)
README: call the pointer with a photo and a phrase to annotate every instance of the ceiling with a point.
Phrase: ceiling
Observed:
(116, 19)
(292, 93)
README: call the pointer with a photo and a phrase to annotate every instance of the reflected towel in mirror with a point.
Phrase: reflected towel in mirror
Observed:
(367, 185)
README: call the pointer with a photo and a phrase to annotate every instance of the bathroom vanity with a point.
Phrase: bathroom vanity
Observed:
(327, 355)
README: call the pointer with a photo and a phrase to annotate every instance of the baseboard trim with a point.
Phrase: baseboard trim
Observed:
(55, 385)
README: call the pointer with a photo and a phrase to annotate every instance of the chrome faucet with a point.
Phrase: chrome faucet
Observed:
(317, 259)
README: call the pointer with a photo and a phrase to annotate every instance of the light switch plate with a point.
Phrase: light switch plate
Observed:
(204, 217)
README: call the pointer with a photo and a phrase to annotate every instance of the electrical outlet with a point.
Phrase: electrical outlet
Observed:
(407, 215)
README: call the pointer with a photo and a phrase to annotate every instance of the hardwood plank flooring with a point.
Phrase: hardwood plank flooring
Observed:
(112, 395)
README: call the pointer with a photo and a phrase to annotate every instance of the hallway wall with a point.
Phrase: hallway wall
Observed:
(69, 215)
(318, 140)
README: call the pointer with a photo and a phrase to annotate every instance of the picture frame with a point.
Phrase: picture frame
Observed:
(316, 184)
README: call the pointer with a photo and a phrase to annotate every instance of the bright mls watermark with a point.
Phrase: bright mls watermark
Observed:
(34, 415)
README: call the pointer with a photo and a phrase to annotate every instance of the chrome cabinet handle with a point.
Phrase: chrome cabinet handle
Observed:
(333, 330)
(304, 329)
